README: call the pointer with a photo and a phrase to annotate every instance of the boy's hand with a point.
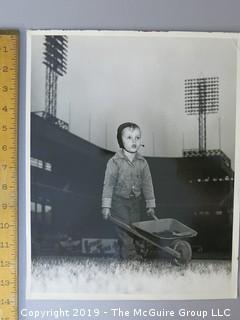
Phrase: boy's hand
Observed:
(106, 212)
(150, 212)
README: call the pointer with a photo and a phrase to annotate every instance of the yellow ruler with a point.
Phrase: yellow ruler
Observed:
(9, 47)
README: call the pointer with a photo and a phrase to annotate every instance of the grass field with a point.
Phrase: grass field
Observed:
(108, 276)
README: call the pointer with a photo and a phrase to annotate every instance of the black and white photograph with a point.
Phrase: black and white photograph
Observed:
(132, 165)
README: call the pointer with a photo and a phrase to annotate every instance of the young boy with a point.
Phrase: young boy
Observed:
(127, 178)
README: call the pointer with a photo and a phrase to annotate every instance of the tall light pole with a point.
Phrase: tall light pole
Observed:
(55, 60)
(202, 98)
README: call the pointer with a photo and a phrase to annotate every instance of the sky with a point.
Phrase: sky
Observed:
(115, 77)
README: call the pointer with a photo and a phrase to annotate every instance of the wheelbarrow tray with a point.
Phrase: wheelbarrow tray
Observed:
(165, 229)
(152, 232)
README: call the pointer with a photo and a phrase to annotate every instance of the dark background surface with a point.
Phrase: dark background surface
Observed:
(159, 15)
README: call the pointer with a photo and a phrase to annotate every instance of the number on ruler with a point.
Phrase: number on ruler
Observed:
(4, 108)
(5, 264)
(5, 88)
(5, 302)
(4, 245)
(4, 206)
(4, 225)
(4, 166)
(4, 283)
(4, 69)
(4, 49)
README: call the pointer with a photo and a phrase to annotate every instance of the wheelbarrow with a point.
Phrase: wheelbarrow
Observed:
(168, 235)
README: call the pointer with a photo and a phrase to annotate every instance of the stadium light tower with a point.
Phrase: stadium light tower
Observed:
(55, 60)
(202, 98)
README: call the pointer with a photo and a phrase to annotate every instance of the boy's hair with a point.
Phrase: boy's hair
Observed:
(120, 130)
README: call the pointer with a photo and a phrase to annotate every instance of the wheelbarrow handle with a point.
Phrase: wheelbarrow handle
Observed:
(123, 225)
(154, 216)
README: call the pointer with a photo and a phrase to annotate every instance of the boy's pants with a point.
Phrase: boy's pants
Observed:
(128, 211)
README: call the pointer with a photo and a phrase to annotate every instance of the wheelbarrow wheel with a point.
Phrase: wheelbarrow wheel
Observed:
(184, 248)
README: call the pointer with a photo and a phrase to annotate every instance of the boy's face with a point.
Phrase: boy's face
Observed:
(131, 139)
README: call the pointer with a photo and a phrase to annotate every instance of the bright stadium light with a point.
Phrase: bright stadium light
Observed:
(55, 60)
(202, 98)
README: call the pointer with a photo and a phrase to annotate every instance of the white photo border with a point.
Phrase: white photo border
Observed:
(235, 238)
